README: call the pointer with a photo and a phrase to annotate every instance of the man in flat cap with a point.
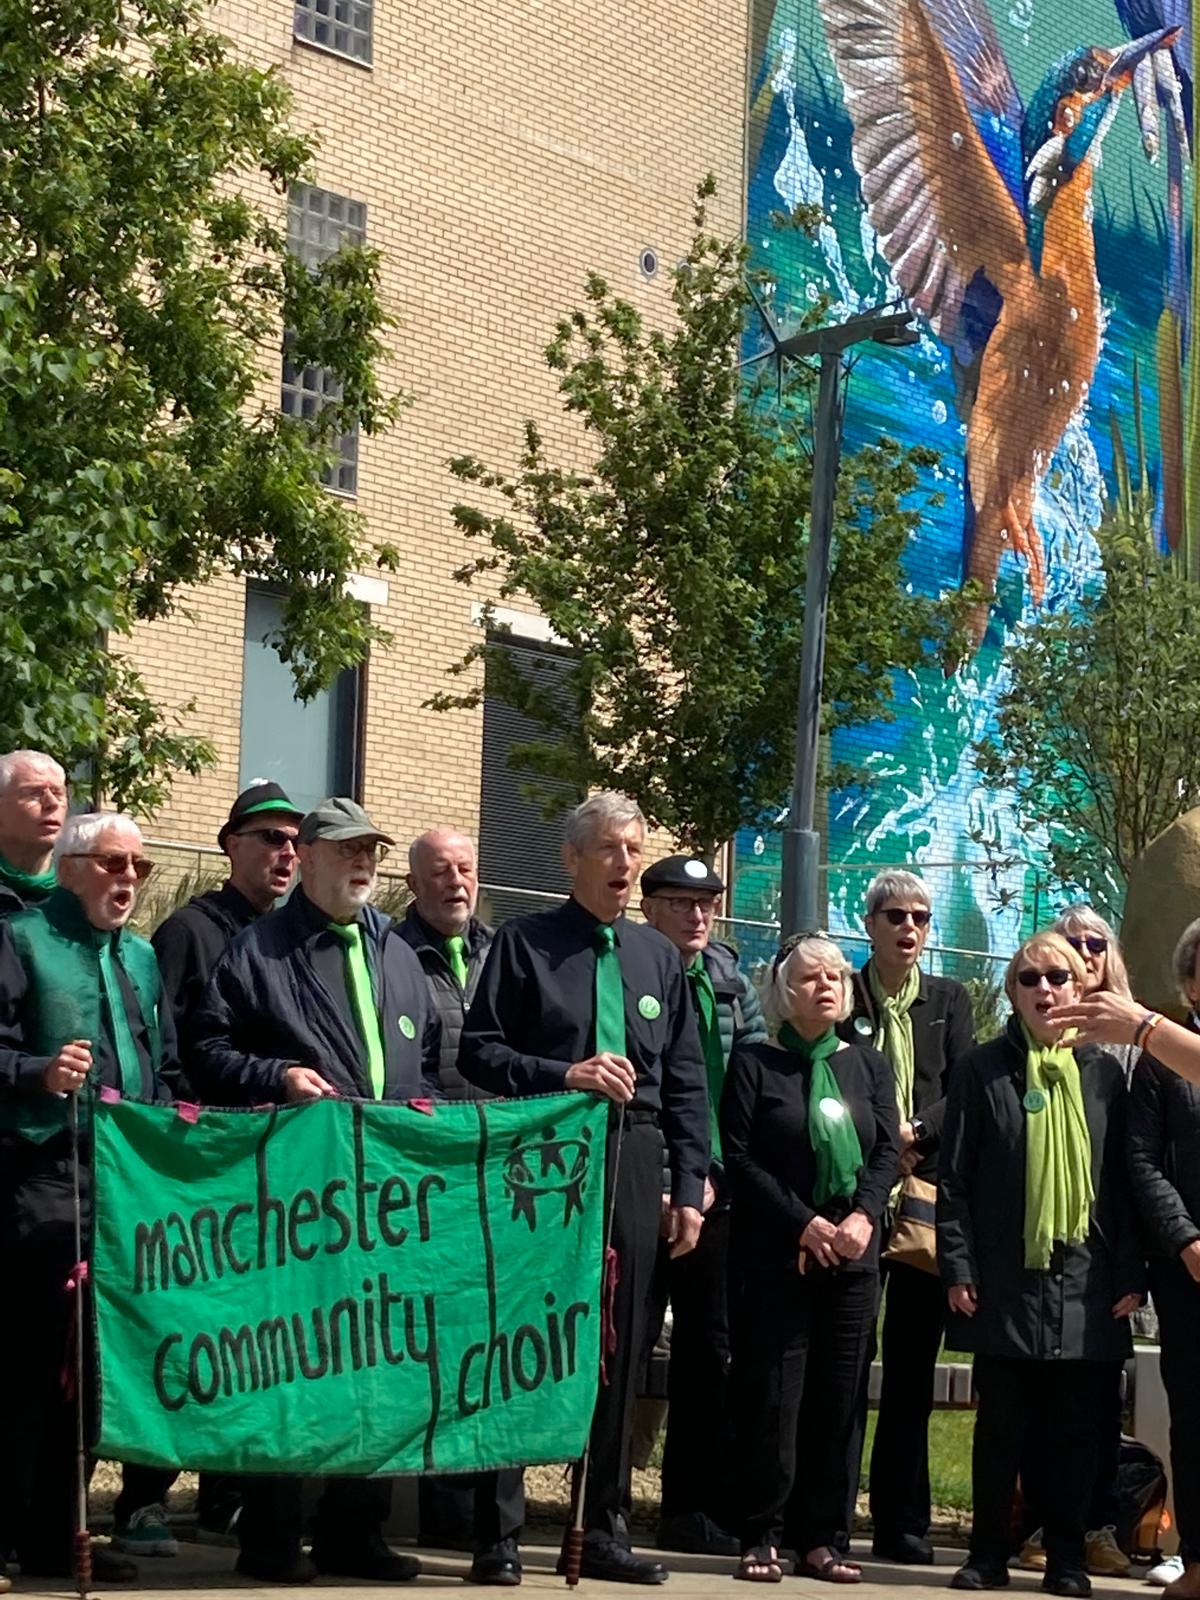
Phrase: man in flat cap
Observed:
(681, 896)
(316, 999)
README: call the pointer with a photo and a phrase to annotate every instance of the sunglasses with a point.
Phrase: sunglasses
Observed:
(116, 862)
(1056, 977)
(275, 838)
(898, 917)
(1093, 944)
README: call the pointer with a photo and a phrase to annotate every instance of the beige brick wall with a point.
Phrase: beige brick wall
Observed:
(503, 149)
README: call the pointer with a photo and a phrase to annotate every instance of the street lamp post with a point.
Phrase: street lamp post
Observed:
(801, 841)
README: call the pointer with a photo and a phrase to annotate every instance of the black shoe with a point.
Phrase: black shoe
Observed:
(1070, 1581)
(610, 1561)
(108, 1566)
(371, 1558)
(276, 1566)
(909, 1549)
(980, 1575)
(696, 1534)
(499, 1564)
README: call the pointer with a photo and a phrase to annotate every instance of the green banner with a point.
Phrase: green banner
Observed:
(346, 1287)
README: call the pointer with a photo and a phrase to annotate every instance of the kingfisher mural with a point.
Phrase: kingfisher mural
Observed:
(999, 166)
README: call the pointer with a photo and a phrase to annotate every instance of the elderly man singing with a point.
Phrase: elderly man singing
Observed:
(33, 804)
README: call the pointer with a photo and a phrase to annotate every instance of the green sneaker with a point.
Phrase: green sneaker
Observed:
(146, 1534)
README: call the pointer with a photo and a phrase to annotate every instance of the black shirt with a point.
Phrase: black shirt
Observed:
(188, 945)
(769, 1162)
(533, 1015)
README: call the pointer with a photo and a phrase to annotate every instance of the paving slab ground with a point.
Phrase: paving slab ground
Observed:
(202, 1570)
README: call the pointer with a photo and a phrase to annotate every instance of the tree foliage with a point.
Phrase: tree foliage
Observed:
(144, 287)
(673, 570)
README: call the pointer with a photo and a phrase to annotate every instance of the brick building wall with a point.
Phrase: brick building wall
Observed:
(502, 151)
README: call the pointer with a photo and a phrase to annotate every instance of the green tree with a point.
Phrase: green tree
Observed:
(145, 284)
(1098, 731)
(673, 570)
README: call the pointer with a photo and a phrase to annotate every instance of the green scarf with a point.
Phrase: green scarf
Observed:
(1058, 1152)
(893, 1033)
(27, 884)
(832, 1132)
(705, 998)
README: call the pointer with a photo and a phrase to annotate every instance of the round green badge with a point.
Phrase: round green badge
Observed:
(407, 1027)
(649, 1007)
(1034, 1100)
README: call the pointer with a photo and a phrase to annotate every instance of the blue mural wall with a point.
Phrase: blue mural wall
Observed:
(1018, 171)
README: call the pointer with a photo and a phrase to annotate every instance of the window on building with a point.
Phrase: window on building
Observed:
(520, 849)
(343, 26)
(319, 223)
(310, 747)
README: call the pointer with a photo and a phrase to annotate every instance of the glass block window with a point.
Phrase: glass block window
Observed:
(343, 26)
(320, 222)
(304, 392)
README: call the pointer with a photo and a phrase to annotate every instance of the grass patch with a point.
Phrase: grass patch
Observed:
(949, 1457)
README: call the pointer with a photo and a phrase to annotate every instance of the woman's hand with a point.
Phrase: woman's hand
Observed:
(1103, 1018)
(853, 1235)
(963, 1298)
(818, 1239)
(1127, 1305)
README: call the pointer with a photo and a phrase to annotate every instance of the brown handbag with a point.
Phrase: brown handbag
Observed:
(913, 1239)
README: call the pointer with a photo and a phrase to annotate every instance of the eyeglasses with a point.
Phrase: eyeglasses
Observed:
(115, 862)
(1093, 943)
(1056, 977)
(681, 904)
(43, 791)
(274, 838)
(898, 916)
(351, 849)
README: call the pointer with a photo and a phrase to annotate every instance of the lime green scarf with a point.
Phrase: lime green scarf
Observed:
(831, 1129)
(1058, 1152)
(893, 1033)
(38, 884)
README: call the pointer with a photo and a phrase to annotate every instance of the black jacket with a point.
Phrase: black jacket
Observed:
(770, 1168)
(189, 944)
(268, 1007)
(1064, 1313)
(943, 1029)
(12, 899)
(447, 994)
(1164, 1156)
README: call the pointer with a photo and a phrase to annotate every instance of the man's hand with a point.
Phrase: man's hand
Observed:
(1127, 1305)
(604, 1074)
(963, 1298)
(683, 1229)
(67, 1073)
(303, 1083)
(1190, 1256)
(710, 1196)
(853, 1235)
(818, 1239)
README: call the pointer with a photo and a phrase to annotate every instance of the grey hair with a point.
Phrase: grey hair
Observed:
(598, 811)
(1082, 918)
(19, 758)
(79, 833)
(1183, 960)
(896, 886)
(815, 947)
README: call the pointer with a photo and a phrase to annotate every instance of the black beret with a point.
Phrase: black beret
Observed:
(681, 872)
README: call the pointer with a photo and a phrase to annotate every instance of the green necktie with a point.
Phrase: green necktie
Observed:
(128, 1066)
(358, 981)
(610, 994)
(705, 998)
(455, 948)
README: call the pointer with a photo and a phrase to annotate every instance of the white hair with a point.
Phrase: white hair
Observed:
(896, 886)
(1082, 919)
(814, 947)
(1183, 961)
(27, 758)
(80, 833)
(599, 811)
(424, 842)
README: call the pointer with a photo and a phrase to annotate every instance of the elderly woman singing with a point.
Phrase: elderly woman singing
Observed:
(811, 1143)
(1039, 1252)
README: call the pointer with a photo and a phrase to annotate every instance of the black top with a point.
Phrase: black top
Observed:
(446, 992)
(533, 1016)
(1164, 1156)
(14, 899)
(769, 1162)
(1065, 1312)
(188, 945)
(943, 1030)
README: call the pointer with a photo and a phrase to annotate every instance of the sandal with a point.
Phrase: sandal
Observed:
(829, 1570)
(764, 1558)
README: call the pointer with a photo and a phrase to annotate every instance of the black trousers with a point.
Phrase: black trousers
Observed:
(1065, 1406)
(914, 1316)
(636, 1216)
(698, 1447)
(218, 1494)
(801, 1350)
(272, 1521)
(1177, 1301)
(484, 1507)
